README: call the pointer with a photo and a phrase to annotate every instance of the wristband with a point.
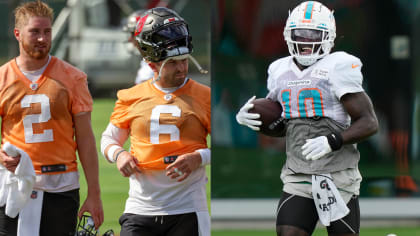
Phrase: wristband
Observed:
(205, 156)
(118, 153)
(335, 140)
(111, 152)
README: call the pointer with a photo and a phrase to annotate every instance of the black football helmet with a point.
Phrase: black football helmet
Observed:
(162, 33)
(86, 227)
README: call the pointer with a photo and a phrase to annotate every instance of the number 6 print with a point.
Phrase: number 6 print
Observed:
(156, 128)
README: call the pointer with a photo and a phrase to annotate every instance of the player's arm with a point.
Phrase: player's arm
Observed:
(363, 124)
(88, 156)
(363, 119)
(113, 139)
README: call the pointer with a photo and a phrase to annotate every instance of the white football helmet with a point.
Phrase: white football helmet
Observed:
(310, 32)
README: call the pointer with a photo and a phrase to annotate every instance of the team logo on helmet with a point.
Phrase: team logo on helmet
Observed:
(310, 32)
(140, 24)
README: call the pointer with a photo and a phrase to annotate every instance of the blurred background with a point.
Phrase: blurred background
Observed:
(247, 36)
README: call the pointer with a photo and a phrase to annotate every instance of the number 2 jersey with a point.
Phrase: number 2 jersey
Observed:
(38, 116)
(315, 93)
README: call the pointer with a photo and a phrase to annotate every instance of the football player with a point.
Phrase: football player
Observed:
(168, 120)
(327, 113)
(144, 72)
(45, 107)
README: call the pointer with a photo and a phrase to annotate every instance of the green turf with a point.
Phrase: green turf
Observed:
(399, 231)
(114, 187)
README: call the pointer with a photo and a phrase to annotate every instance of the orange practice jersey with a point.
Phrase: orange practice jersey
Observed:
(163, 124)
(38, 117)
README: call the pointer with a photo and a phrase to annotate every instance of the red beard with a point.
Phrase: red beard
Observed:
(34, 52)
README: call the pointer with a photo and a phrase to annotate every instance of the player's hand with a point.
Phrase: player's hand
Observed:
(10, 163)
(316, 148)
(244, 117)
(184, 165)
(127, 164)
(93, 205)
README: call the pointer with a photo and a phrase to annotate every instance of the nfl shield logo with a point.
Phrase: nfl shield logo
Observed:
(34, 86)
(34, 194)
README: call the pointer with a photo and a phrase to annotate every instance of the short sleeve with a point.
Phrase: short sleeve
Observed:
(347, 76)
(274, 71)
(82, 100)
(120, 116)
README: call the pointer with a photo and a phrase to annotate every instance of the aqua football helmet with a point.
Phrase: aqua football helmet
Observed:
(310, 32)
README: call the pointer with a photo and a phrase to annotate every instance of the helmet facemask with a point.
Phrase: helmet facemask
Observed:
(309, 45)
(167, 41)
(86, 227)
(162, 35)
(310, 32)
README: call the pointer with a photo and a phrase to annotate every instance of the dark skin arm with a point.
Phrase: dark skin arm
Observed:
(363, 119)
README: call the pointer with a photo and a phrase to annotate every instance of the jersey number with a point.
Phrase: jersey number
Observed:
(310, 94)
(156, 128)
(45, 116)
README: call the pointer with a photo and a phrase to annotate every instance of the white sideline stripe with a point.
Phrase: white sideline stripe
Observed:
(370, 208)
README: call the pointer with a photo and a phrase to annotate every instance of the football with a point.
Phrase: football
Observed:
(270, 115)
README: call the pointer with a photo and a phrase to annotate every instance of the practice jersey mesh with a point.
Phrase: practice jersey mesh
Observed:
(163, 124)
(315, 91)
(38, 117)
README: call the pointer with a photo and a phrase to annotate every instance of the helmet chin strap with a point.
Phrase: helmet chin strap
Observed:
(180, 57)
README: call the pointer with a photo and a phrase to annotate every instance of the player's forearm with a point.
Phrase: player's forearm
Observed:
(360, 129)
(86, 148)
(89, 160)
(113, 138)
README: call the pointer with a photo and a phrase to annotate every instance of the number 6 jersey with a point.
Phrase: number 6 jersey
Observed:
(38, 116)
(163, 124)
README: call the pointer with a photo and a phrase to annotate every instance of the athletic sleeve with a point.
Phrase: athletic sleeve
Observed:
(347, 76)
(120, 117)
(113, 136)
(82, 100)
(275, 70)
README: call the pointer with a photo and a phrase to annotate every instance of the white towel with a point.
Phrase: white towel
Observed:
(16, 188)
(328, 201)
(30, 216)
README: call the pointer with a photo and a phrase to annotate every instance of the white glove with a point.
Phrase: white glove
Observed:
(249, 119)
(316, 148)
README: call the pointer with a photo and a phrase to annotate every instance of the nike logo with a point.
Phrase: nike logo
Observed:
(354, 66)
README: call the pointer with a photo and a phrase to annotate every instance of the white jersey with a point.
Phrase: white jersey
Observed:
(315, 91)
(154, 193)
